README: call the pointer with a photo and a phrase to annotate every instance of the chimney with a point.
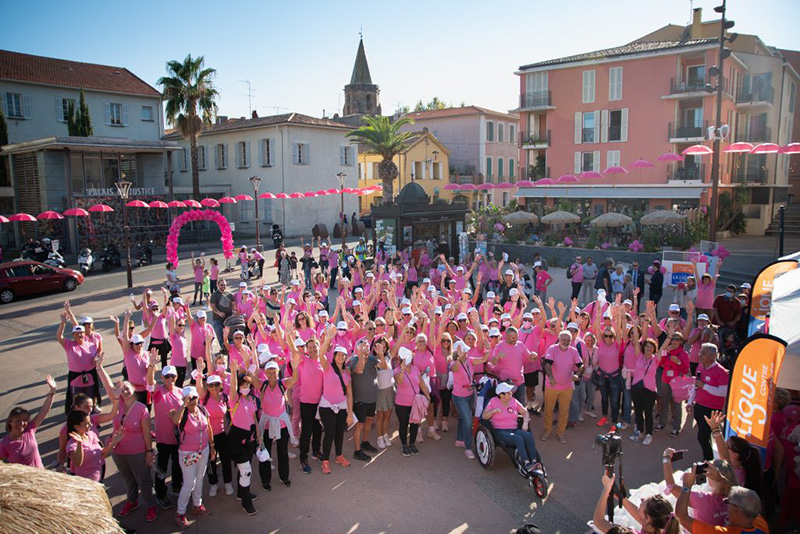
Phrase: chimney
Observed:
(255, 114)
(222, 119)
(697, 22)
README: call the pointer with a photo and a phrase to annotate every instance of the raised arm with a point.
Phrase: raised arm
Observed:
(48, 401)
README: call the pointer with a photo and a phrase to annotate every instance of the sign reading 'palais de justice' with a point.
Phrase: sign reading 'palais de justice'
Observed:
(113, 192)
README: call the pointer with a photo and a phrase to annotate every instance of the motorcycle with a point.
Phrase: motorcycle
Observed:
(277, 235)
(33, 251)
(144, 254)
(86, 261)
(54, 259)
(110, 257)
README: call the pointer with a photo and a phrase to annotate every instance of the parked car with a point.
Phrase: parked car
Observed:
(18, 278)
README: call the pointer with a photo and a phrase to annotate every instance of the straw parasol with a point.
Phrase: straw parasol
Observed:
(661, 217)
(520, 217)
(560, 217)
(610, 220)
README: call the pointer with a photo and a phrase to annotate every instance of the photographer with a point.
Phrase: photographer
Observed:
(654, 514)
(743, 457)
(706, 507)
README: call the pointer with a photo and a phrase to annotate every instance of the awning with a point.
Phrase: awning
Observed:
(691, 190)
(81, 144)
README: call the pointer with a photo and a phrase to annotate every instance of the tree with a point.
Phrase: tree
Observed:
(383, 137)
(433, 105)
(190, 95)
(79, 124)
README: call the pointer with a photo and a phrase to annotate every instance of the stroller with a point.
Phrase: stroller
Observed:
(486, 441)
(235, 322)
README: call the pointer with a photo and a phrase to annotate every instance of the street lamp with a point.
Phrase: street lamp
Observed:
(256, 181)
(124, 189)
(341, 176)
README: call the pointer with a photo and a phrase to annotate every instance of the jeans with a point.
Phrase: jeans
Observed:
(703, 430)
(465, 411)
(221, 445)
(192, 481)
(582, 398)
(519, 393)
(403, 414)
(217, 325)
(610, 391)
(165, 453)
(644, 401)
(198, 290)
(265, 468)
(563, 397)
(522, 440)
(587, 291)
(137, 476)
(335, 425)
(310, 431)
(626, 404)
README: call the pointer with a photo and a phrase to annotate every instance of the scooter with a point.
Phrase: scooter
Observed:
(144, 254)
(86, 261)
(54, 259)
(277, 235)
(111, 257)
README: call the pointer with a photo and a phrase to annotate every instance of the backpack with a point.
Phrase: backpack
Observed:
(570, 273)
(185, 417)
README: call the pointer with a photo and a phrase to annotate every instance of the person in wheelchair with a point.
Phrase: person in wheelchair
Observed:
(502, 412)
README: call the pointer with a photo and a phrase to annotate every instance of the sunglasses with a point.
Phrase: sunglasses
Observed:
(180, 325)
(729, 503)
(608, 336)
(140, 343)
(215, 385)
(674, 312)
(170, 376)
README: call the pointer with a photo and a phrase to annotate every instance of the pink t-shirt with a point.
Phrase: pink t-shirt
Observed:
(160, 328)
(645, 369)
(180, 350)
(243, 412)
(214, 274)
(462, 378)
(217, 409)
(273, 402)
(541, 278)
(93, 461)
(198, 274)
(410, 386)
(563, 364)
(195, 432)
(506, 418)
(424, 360)
(310, 372)
(440, 360)
(509, 367)
(713, 376)
(477, 353)
(608, 357)
(672, 369)
(705, 295)
(708, 508)
(24, 451)
(236, 354)
(131, 422)
(80, 357)
(332, 387)
(197, 349)
(164, 401)
(136, 364)
(531, 340)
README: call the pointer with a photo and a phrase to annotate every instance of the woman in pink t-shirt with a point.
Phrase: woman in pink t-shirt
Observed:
(409, 384)
(705, 294)
(503, 411)
(335, 406)
(216, 403)
(708, 507)
(19, 446)
(608, 353)
(463, 374)
(242, 436)
(199, 265)
(85, 450)
(643, 387)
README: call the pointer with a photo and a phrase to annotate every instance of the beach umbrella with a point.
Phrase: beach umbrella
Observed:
(4, 219)
(281, 195)
(77, 212)
(766, 148)
(544, 181)
(158, 204)
(100, 208)
(610, 220)
(560, 217)
(659, 217)
(520, 217)
(739, 147)
(191, 203)
(22, 217)
(137, 204)
(791, 148)
(209, 203)
(49, 215)
(376, 187)
(485, 187)
(697, 150)
(669, 156)
(616, 169)
(591, 174)
(243, 197)
(227, 200)
(176, 204)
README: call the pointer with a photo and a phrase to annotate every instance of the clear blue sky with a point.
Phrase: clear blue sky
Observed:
(299, 54)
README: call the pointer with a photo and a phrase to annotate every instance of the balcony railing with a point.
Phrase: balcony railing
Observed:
(750, 176)
(534, 139)
(587, 136)
(761, 134)
(679, 86)
(692, 172)
(765, 95)
(535, 99)
(681, 130)
(535, 173)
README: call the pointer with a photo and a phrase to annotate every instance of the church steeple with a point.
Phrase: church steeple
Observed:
(361, 95)
(361, 68)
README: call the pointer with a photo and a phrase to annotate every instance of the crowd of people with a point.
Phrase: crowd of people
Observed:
(342, 343)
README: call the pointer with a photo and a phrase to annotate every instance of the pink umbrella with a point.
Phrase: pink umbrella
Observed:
(669, 156)
(545, 181)
(791, 148)
(176, 204)
(209, 203)
(766, 148)
(697, 150)
(22, 217)
(321, 193)
(451, 187)
(505, 185)
(467, 187)
(101, 208)
(243, 197)
(297, 195)
(158, 204)
(641, 164)
(137, 204)
(333, 191)
(47, 215)
(524, 183)
(567, 179)
(268, 196)
(591, 174)
(616, 169)
(376, 187)
(485, 187)
(191, 203)
(227, 200)
(310, 194)
(281, 195)
(739, 147)
(77, 212)
(4, 219)
(349, 190)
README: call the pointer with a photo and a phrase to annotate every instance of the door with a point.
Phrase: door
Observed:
(46, 278)
(21, 280)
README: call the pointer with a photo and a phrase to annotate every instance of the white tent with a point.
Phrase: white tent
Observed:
(783, 323)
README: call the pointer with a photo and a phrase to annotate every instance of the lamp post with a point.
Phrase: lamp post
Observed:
(256, 181)
(341, 176)
(124, 188)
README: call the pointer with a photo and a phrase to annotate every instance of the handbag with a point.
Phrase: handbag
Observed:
(598, 378)
(681, 385)
(419, 406)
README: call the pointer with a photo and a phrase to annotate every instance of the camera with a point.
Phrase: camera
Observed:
(611, 446)
(700, 469)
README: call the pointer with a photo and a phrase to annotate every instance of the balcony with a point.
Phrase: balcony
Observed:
(465, 175)
(688, 173)
(755, 98)
(762, 134)
(536, 172)
(535, 100)
(680, 132)
(743, 175)
(689, 86)
(534, 140)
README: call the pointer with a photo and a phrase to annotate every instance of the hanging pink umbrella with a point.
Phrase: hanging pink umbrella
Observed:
(281, 195)
(209, 203)
(49, 215)
(4, 219)
(641, 164)
(590, 174)
(22, 217)
(697, 150)
(765, 148)
(451, 187)
(100, 208)
(349, 190)
(505, 185)
(310, 194)
(567, 179)
(268, 196)
(191, 203)
(485, 187)
(669, 156)
(524, 183)
(545, 181)
(297, 195)
(791, 148)
(376, 187)
(739, 147)
(227, 200)
(159, 204)
(333, 191)
(616, 169)
(77, 212)
(467, 187)
(176, 204)
(243, 197)
(321, 193)
(137, 204)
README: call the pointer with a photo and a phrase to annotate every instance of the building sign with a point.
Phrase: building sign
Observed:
(113, 192)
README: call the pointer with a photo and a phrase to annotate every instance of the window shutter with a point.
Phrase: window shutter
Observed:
(237, 158)
(308, 153)
(624, 129)
(604, 126)
(510, 167)
(597, 115)
(217, 162)
(261, 151)
(107, 108)
(619, 83)
(596, 161)
(342, 156)
(124, 115)
(577, 163)
(5, 105)
(60, 110)
(26, 106)
(271, 151)
(578, 126)
(249, 154)
(295, 158)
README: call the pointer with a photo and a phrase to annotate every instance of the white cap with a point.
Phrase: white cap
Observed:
(438, 310)
(746, 286)
(493, 320)
(86, 320)
(461, 317)
(484, 328)
(702, 317)
(607, 315)
(431, 289)
(177, 300)
(214, 379)
(358, 290)
(405, 302)
(513, 291)
(536, 310)
(461, 346)
(426, 280)
(505, 316)
(79, 328)
(406, 355)
(341, 349)
(242, 284)
(490, 295)
(674, 307)
(370, 274)
(451, 281)
(494, 332)
(406, 311)
(169, 370)
(527, 315)
(467, 291)
(341, 325)
(298, 342)
(265, 356)
(238, 333)
(472, 309)
(253, 249)
(573, 326)
(290, 300)
(626, 301)
(447, 306)
(537, 264)
(271, 365)
(262, 347)
(504, 387)
(294, 282)
(577, 309)
(460, 268)
(137, 339)
(356, 303)
(190, 391)
(509, 272)
(323, 313)
(201, 314)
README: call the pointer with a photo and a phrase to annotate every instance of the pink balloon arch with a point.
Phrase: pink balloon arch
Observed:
(198, 215)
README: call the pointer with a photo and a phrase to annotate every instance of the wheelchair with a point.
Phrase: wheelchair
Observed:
(486, 442)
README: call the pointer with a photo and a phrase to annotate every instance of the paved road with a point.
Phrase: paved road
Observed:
(438, 491)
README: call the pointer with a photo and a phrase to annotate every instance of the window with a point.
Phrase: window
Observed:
(116, 114)
(17, 106)
(62, 108)
(221, 156)
(500, 132)
(184, 160)
(505, 198)
(266, 152)
(615, 125)
(489, 131)
(792, 96)
(512, 133)
(500, 169)
(612, 158)
(511, 167)
(587, 135)
(419, 170)
(587, 161)
(347, 156)
(615, 83)
(202, 161)
(300, 153)
(489, 169)
(147, 113)
(696, 75)
(588, 86)
(437, 170)
(243, 154)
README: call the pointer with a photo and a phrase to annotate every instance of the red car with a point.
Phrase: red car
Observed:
(18, 278)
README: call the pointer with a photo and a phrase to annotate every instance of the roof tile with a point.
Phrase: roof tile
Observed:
(273, 120)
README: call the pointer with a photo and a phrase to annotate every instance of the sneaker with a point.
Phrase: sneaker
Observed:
(200, 510)
(272, 466)
(367, 446)
(164, 502)
(602, 422)
(181, 521)
(562, 438)
(445, 426)
(460, 444)
(387, 440)
(129, 507)
(580, 418)
(591, 414)
(305, 467)
(648, 439)
(659, 428)
(267, 487)
(419, 437)
(287, 483)
(674, 433)
(212, 490)
(636, 436)
(414, 449)
(228, 488)
(381, 444)
(406, 451)
(535, 411)
(545, 436)
(326, 467)
(623, 426)
(253, 496)
(469, 454)
(361, 455)
(317, 456)
(571, 425)
(248, 508)
(151, 515)
(292, 455)
(341, 460)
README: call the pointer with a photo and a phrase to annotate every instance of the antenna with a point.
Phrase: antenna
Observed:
(360, 31)
(691, 11)
(249, 96)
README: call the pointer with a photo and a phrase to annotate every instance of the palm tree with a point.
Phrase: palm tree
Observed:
(382, 137)
(190, 93)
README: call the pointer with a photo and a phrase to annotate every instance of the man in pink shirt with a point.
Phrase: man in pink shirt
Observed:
(562, 367)
(712, 390)
(508, 358)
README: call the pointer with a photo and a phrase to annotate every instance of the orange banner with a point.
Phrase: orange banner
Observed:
(752, 388)
(761, 299)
